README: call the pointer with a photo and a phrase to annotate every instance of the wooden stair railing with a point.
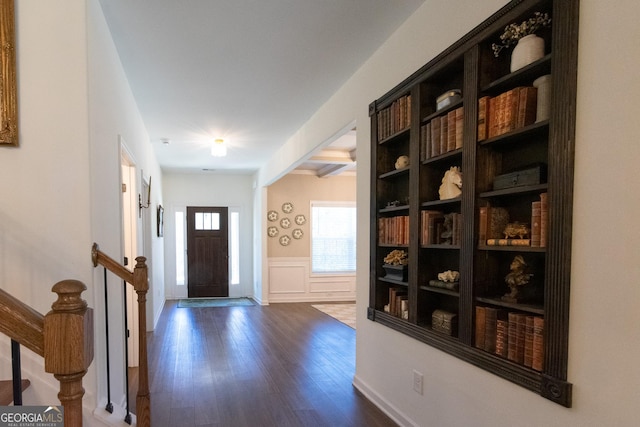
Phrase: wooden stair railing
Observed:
(139, 280)
(64, 338)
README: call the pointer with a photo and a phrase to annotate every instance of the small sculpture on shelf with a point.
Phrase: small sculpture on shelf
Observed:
(447, 280)
(451, 184)
(514, 229)
(446, 237)
(517, 278)
(402, 162)
(395, 265)
(396, 257)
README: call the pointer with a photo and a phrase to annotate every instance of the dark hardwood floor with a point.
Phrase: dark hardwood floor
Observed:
(280, 365)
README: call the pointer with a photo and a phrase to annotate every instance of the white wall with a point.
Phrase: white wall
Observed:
(233, 191)
(45, 222)
(114, 119)
(60, 188)
(604, 342)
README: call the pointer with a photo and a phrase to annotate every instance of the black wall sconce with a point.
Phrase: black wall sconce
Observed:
(147, 202)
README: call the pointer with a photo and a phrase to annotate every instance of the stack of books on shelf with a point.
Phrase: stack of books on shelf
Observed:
(493, 220)
(506, 112)
(515, 336)
(398, 303)
(539, 222)
(437, 228)
(394, 118)
(393, 230)
(442, 134)
(491, 224)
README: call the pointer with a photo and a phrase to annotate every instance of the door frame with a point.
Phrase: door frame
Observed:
(129, 241)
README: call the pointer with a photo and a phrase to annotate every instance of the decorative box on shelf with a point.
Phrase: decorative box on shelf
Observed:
(445, 322)
(395, 272)
(448, 98)
(530, 175)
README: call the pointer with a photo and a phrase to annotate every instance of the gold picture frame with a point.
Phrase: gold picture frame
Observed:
(8, 86)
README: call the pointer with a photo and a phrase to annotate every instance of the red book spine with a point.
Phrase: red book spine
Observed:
(528, 342)
(544, 219)
(451, 130)
(444, 133)
(535, 223)
(538, 344)
(459, 127)
(480, 326)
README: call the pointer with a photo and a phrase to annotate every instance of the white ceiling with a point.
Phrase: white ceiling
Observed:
(249, 71)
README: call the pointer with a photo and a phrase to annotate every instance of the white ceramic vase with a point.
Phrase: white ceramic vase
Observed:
(543, 83)
(528, 49)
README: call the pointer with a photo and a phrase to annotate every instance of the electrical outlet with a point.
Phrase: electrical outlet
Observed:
(417, 381)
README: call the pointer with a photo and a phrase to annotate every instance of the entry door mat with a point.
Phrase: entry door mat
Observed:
(345, 313)
(215, 302)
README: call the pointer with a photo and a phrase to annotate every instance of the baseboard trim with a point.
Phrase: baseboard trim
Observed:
(384, 405)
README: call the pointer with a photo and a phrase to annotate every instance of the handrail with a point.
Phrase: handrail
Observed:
(69, 325)
(21, 323)
(139, 280)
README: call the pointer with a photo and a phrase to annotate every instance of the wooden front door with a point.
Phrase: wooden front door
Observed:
(207, 252)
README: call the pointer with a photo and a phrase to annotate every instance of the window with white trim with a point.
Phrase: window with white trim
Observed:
(333, 237)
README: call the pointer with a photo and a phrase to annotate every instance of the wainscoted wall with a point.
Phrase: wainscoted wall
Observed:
(290, 280)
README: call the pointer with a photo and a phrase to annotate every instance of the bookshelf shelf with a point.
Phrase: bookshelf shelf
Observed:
(512, 248)
(446, 202)
(395, 137)
(395, 209)
(444, 157)
(395, 282)
(441, 247)
(393, 245)
(523, 76)
(518, 135)
(443, 291)
(442, 111)
(529, 308)
(491, 132)
(524, 189)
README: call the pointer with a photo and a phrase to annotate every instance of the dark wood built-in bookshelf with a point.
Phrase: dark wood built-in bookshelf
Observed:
(523, 340)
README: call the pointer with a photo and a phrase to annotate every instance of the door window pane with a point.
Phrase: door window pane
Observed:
(180, 249)
(209, 221)
(235, 247)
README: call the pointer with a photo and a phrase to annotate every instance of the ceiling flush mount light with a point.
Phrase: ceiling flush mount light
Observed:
(218, 148)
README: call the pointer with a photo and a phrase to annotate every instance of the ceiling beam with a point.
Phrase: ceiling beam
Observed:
(333, 169)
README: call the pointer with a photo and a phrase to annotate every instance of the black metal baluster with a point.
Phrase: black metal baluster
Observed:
(109, 407)
(127, 418)
(17, 373)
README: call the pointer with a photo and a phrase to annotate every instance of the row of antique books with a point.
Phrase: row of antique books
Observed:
(393, 230)
(442, 134)
(394, 118)
(497, 115)
(493, 222)
(515, 336)
(506, 112)
(398, 303)
(438, 228)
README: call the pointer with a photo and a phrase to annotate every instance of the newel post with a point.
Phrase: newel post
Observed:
(68, 346)
(141, 286)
